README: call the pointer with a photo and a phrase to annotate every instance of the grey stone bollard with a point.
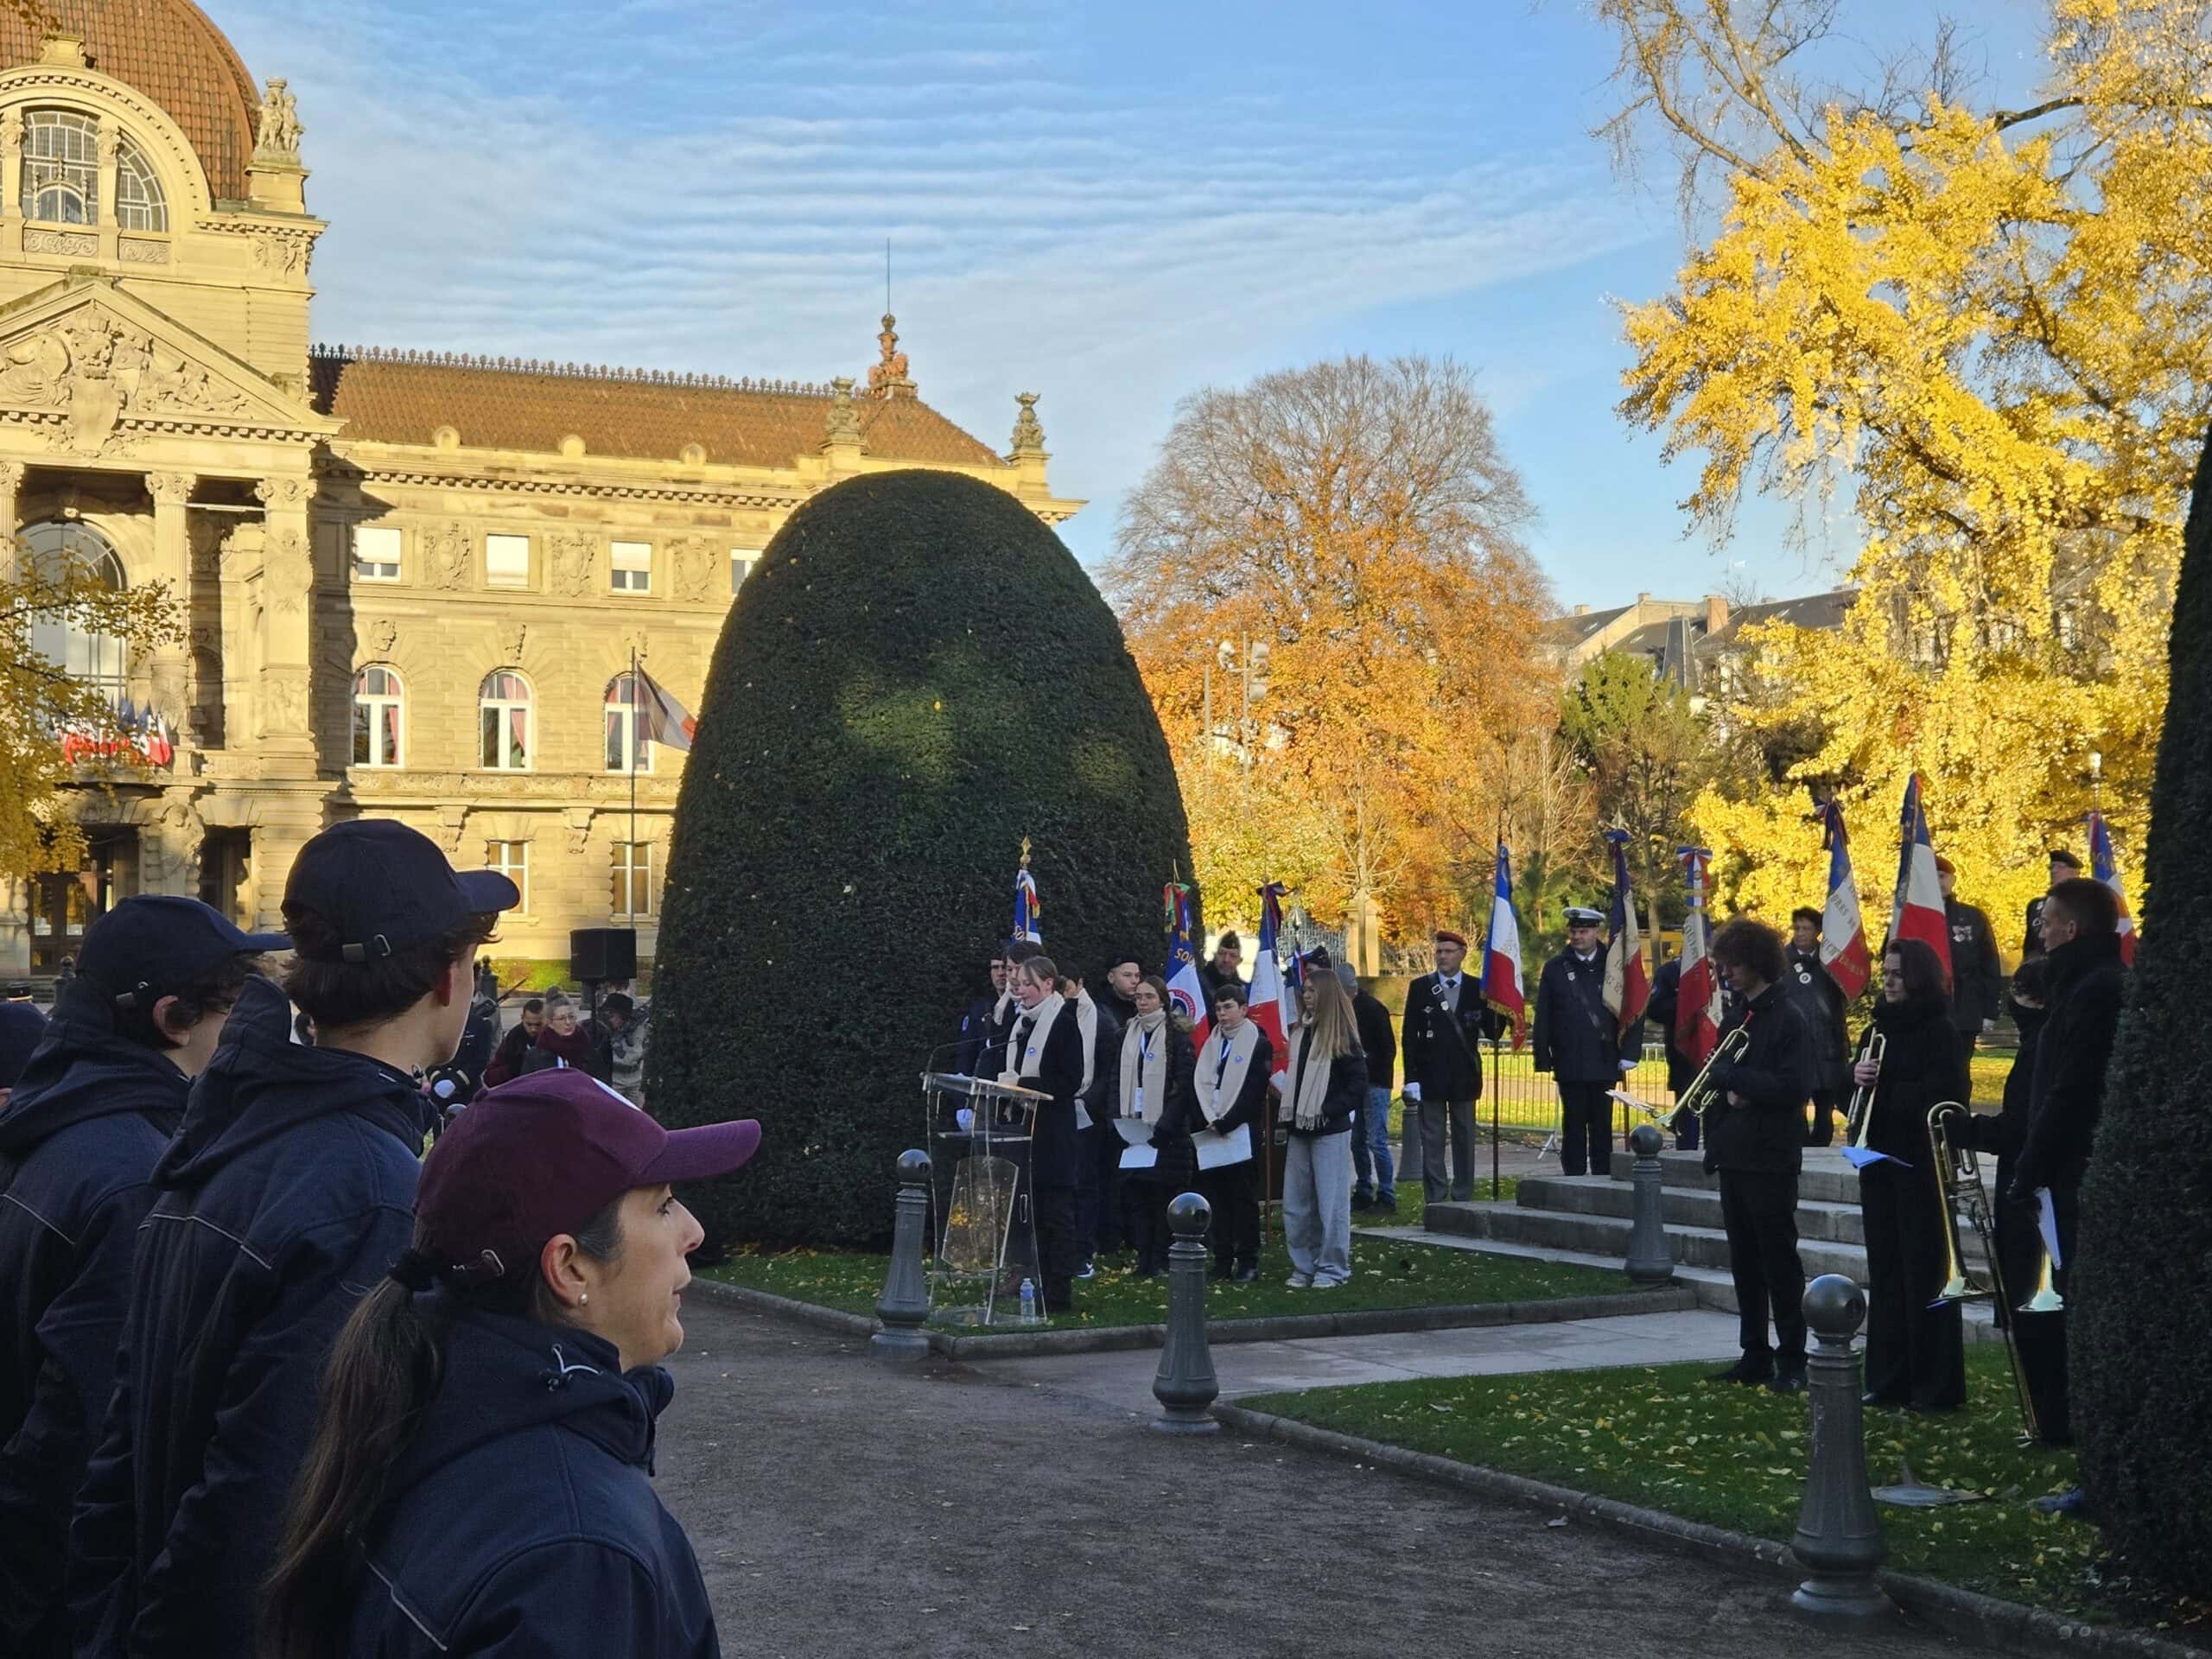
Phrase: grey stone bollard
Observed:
(1186, 1385)
(1839, 1536)
(1649, 1261)
(905, 1304)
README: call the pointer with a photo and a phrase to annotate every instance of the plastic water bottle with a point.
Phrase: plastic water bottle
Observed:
(1029, 1314)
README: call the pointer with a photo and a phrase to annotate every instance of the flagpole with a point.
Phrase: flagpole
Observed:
(1497, 1184)
(637, 707)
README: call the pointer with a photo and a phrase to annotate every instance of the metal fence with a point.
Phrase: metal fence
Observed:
(1523, 1098)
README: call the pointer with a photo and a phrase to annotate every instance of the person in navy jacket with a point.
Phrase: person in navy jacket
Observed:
(480, 1480)
(289, 1190)
(84, 1128)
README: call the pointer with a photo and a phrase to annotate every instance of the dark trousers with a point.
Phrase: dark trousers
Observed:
(1056, 1257)
(1435, 1115)
(1233, 1190)
(1586, 1136)
(1089, 1184)
(1823, 1130)
(1146, 1207)
(1916, 1352)
(2040, 1338)
(1109, 1227)
(1759, 1210)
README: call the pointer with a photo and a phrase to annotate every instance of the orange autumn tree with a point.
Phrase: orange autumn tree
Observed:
(1992, 327)
(1344, 540)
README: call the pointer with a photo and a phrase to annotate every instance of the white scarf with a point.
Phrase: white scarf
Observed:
(1145, 1065)
(1217, 1098)
(1086, 1021)
(1306, 1112)
(1025, 1055)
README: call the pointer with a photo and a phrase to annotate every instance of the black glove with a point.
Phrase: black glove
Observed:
(1720, 1073)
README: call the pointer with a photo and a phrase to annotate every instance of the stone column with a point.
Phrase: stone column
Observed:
(110, 143)
(289, 797)
(173, 566)
(11, 482)
(11, 182)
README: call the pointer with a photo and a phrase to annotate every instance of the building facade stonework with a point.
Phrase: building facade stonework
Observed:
(413, 584)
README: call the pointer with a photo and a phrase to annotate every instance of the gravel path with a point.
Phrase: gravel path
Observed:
(839, 1509)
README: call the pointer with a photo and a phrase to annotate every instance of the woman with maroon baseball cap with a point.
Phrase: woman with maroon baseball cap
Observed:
(480, 1470)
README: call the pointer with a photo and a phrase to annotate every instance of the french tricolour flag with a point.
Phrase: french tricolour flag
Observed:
(1265, 999)
(1628, 984)
(1918, 912)
(665, 721)
(1843, 932)
(1184, 989)
(1501, 981)
(2104, 867)
(1697, 997)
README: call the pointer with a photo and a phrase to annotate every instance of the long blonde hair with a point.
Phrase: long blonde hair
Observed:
(1332, 1030)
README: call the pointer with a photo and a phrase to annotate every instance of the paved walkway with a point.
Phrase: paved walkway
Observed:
(839, 1509)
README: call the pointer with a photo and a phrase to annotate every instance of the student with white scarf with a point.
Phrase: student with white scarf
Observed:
(1157, 1063)
(1044, 1053)
(1101, 1054)
(1321, 1087)
(1232, 1089)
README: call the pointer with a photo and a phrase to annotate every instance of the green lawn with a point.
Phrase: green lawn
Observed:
(1733, 1457)
(1385, 1274)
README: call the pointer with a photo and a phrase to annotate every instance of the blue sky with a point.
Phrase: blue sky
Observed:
(1111, 204)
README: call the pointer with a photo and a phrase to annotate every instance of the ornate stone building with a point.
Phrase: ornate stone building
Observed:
(413, 582)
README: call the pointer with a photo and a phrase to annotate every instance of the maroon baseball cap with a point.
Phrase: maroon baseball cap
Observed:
(544, 1154)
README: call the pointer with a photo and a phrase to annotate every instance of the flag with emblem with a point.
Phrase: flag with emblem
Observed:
(1919, 912)
(2104, 867)
(1185, 991)
(1843, 931)
(1501, 977)
(1697, 993)
(1628, 983)
(1265, 998)
(1028, 910)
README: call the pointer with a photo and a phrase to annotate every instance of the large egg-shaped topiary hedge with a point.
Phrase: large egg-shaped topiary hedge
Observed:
(917, 675)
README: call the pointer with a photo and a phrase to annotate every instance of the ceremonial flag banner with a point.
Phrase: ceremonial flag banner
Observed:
(2104, 867)
(1918, 912)
(1028, 911)
(1697, 996)
(1628, 984)
(1501, 979)
(1265, 999)
(1843, 931)
(661, 718)
(1185, 990)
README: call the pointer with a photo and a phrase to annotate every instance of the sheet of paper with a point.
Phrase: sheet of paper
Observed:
(1633, 1104)
(2047, 1224)
(1860, 1157)
(1134, 1130)
(1082, 1115)
(1216, 1150)
(1139, 1157)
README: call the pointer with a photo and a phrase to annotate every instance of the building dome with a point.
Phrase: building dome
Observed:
(167, 50)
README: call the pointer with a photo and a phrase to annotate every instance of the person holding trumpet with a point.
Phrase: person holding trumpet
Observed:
(1916, 1354)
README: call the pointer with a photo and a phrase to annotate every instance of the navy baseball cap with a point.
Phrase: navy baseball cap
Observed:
(542, 1155)
(386, 888)
(152, 942)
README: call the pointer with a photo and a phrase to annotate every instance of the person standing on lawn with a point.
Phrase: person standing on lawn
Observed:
(1101, 1050)
(1579, 1041)
(1220, 969)
(1156, 1085)
(1755, 1141)
(1977, 971)
(1444, 1024)
(1916, 1352)
(1044, 1053)
(1824, 1012)
(1321, 1087)
(1231, 1079)
(1373, 1184)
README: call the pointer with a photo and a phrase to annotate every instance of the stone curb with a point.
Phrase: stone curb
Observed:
(1967, 1615)
(1280, 1327)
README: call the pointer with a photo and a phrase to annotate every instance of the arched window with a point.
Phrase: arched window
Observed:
(503, 706)
(61, 168)
(55, 549)
(139, 203)
(626, 735)
(379, 706)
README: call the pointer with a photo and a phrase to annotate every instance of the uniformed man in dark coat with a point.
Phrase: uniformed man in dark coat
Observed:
(1222, 968)
(1977, 971)
(981, 1021)
(1444, 1026)
(1579, 1041)
(1824, 1012)
(2064, 867)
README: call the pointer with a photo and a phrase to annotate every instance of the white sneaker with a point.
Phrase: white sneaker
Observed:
(1300, 1281)
(1328, 1284)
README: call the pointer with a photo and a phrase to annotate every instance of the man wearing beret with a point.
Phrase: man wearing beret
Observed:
(1578, 1041)
(1977, 971)
(2064, 867)
(1445, 1022)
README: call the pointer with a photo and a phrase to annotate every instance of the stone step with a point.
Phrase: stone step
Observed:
(1827, 1178)
(1683, 1206)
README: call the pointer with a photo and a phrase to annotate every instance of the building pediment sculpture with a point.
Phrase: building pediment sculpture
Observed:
(280, 132)
(695, 570)
(445, 556)
(569, 562)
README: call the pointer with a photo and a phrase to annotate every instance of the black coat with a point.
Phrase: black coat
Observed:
(2031, 928)
(1577, 1038)
(1766, 1134)
(1251, 1105)
(1105, 1063)
(1378, 1036)
(974, 1037)
(2006, 1132)
(1058, 1073)
(1824, 1011)
(1212, 979)
(1977, 971)
(1666, 1002)
(507, 1058)
(2087, 988)
(78, 1145)
(1442, 1054)
(1922, 1067)
(1347, 1092)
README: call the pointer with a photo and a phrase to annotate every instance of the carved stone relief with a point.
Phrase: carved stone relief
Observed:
(569, 557)
(284, 701)
(445, 556)
(695, 570)
(383, 634)
(287, 572)
(70, 242)
(512, 635)
(96, 370)
(279, 493)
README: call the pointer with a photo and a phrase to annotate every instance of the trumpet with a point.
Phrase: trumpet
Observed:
(1958, 1180)
(1703, 1091)
(1858, 1122)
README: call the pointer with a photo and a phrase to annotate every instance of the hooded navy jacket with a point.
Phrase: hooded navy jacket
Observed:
(88, 1120)
(288, 1192)
(523, 1518)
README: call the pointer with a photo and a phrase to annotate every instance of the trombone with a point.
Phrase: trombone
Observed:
(1858, 1122)
(1703, 1092)
(1958, 1180)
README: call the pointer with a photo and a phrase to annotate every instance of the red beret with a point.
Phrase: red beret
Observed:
(1446, 936)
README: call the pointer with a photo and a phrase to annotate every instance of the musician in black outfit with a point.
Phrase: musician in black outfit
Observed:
(1754, 1138)
(1444, 1024)
(1824, 1011)
(1579, 1041)
(1044, 1053)
(1915, 1353)
(2064, 867)
(1231, 1079)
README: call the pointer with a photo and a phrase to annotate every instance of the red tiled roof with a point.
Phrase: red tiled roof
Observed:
(167, 50)
(402, 399)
